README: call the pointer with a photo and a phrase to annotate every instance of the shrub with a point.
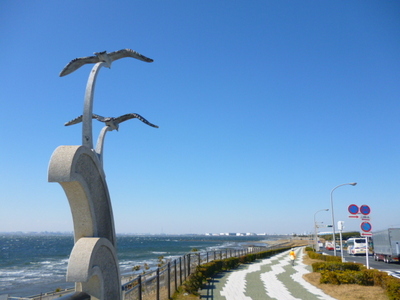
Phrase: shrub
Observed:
(329, 277)
(351, 273)
(393, 288)
(336, 266)
(315, 255)
(231, 263)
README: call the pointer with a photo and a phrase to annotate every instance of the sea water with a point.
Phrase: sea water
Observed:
(31, 264)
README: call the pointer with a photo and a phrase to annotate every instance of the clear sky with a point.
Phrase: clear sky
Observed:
(263, 107)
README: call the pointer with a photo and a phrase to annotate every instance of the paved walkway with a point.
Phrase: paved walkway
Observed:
(271, 278)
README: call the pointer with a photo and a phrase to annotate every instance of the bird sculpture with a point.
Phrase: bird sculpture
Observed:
(112, 123)
(108, 58)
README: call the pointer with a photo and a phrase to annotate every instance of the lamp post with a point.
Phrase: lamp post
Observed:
(333, 217)
(316, 230)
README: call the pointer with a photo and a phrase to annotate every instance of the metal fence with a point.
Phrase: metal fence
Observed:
(160, 284)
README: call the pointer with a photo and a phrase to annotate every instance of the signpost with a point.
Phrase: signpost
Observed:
(366, 227)
(362, 212)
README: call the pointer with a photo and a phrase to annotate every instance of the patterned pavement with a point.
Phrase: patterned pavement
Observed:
(271, 278)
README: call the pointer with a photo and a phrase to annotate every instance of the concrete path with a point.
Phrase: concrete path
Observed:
(271, 278)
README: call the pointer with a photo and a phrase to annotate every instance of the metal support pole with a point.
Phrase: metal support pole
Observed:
(176, 276)
(140, 287)
(367, 252)
(158, 284)
(188, 268)
(180, 270)
(333, 215)
(169, 280)
(341, 245)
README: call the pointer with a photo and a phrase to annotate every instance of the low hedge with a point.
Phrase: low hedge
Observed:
(315, 255)
(355, 273)
(337, 266)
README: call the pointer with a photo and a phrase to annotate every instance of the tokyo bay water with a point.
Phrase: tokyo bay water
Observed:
(31, 264)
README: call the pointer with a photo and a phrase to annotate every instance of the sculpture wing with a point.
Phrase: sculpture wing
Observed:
(76, 63)
(132, 116)
(99, 118)
(128, 53)
(79, 119)
(74, 121)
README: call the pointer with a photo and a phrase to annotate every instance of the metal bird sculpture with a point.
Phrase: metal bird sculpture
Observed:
(112, 123)
(108, 58)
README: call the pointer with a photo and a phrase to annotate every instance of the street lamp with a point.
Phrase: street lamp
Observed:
(333, 218)
(316, 231)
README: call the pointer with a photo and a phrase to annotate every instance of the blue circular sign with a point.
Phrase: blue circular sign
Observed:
(353, 209)
(365, 210)
(366, 226)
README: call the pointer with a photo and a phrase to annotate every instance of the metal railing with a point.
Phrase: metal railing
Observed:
(160, 284)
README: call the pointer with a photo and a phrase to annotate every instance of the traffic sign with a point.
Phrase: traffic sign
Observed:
(353, 209)
(366, 226)
(354, 216)
(366, 234)
(365, 210)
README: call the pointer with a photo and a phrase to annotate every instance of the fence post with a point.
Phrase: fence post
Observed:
(180, 270)
(169, 280)
(207, 256)
(158, 283)
(140, 287)
(176, 276)
(199, 259)
(188, 273)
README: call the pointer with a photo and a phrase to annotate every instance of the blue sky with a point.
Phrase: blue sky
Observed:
(263, 107)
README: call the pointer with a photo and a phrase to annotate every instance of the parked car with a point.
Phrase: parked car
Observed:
(329, 247)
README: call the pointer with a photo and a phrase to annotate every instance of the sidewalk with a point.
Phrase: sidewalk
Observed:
(272, 278)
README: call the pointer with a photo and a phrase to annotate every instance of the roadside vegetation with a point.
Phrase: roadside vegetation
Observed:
(348, 281)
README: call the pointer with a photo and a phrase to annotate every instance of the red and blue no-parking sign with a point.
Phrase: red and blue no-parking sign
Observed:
(365, 210)
(366, 226)
(353, 209)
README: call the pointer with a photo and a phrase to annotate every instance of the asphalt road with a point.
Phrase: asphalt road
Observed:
(392, 268)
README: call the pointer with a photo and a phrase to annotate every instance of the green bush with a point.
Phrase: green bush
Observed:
(393, 288)
(336, 266)
(352, 273)
(231, 263)
(329, 277)
(346, 277)
(315, 255)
